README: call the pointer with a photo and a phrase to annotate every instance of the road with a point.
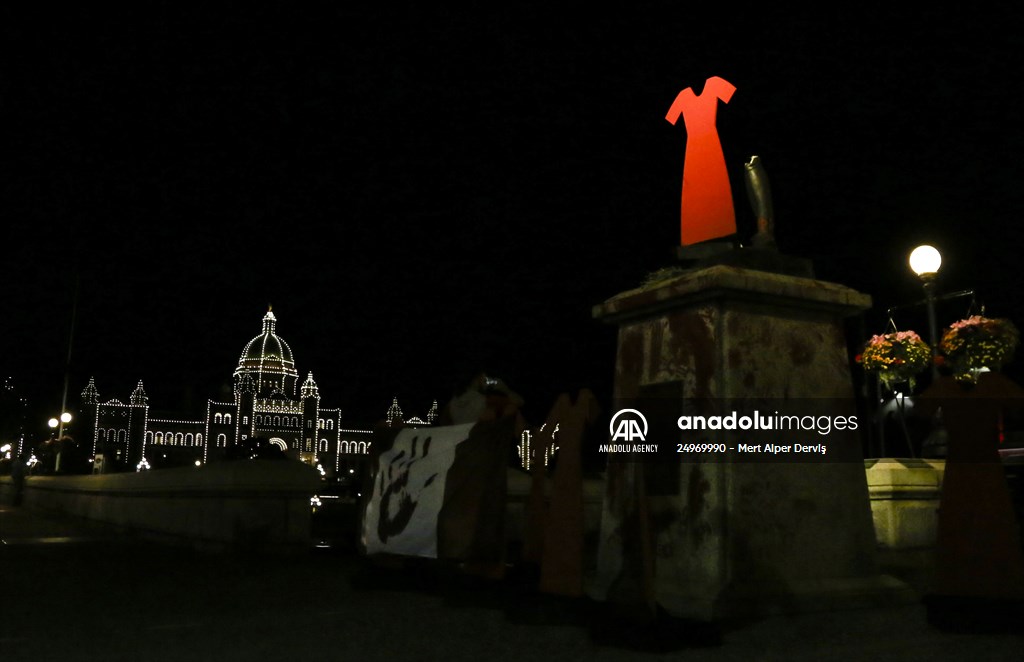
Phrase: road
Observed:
(75, 590)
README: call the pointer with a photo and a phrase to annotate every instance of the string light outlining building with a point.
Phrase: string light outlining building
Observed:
(268, 403)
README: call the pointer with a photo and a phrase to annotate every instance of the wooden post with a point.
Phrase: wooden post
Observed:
(978, 554)
(562, 560)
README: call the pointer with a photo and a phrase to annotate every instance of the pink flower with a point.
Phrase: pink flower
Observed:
(973, 320)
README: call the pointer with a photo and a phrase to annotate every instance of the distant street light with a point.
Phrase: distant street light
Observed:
(925, 262)
(58, 424)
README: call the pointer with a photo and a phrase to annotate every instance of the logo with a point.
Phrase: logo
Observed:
(626, 426)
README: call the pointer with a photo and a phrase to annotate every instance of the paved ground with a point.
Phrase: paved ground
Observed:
(73, 590)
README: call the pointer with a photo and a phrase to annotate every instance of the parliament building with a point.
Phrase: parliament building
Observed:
(269, 404)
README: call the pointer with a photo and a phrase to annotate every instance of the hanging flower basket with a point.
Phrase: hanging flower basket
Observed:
(896, 357)
(975, 343)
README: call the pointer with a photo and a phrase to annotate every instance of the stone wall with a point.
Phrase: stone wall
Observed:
(249, 505)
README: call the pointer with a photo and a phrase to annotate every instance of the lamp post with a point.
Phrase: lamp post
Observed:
(925, 262)
(57, 424)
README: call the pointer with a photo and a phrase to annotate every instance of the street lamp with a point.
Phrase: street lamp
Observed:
(925, 262)
(59, 423)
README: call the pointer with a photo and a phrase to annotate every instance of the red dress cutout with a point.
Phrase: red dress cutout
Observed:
(706, 210)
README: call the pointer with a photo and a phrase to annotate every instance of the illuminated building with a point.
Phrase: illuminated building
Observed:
(268, 404)
(524, 449)
(13, 414)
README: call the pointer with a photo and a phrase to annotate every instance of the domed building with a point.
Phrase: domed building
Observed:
(267, 403)
(267, 359)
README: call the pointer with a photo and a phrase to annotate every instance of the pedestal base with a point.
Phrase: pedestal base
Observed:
(722, 539)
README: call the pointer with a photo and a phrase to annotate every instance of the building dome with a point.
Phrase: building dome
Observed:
(267, 359)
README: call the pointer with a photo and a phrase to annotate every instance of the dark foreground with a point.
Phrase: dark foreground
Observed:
(73, 590)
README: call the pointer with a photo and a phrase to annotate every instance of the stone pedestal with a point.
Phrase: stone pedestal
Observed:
(905, 501)
(728, 536)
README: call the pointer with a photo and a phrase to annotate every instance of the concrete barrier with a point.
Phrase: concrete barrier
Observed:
(254, 505)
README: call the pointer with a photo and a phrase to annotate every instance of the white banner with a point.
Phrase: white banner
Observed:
(408, 491)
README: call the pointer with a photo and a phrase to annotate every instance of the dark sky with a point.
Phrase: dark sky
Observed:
(422, 193)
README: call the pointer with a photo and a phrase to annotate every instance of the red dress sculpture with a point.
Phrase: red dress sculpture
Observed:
(707, 211)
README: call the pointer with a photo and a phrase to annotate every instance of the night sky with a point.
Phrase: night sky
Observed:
(422, 193)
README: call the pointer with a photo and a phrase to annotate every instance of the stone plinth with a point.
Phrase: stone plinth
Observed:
(721, 537)
(905, 501)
